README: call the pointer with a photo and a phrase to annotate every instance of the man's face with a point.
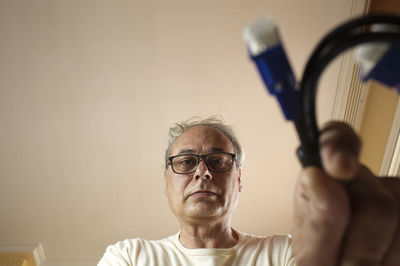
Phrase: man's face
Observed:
(202, 196)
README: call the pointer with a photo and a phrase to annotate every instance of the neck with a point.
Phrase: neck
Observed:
(207, 236)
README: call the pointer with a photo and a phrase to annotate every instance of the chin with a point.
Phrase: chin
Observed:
(204, 211)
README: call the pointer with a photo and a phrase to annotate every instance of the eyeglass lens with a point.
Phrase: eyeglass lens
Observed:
(216, 162)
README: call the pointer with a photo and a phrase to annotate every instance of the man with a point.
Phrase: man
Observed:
(202, 183)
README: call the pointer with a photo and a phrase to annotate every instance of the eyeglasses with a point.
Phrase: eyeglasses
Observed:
(219, 162)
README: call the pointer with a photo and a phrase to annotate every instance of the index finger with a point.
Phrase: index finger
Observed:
(373, 225)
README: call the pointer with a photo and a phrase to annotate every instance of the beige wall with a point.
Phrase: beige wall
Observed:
(88, 89)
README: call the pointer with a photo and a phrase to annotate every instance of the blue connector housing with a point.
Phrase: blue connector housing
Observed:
(387, 69)
(278, 76)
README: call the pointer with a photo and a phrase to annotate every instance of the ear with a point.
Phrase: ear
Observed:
(165, 182)
(240, 180)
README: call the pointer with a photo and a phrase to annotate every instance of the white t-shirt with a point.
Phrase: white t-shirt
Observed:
(250, 250)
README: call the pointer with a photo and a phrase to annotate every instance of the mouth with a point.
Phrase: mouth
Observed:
(203, 193)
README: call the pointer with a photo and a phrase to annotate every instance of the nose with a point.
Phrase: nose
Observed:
(202, 171)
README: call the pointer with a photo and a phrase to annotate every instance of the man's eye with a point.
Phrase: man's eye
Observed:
(187, 161)
(217, 161)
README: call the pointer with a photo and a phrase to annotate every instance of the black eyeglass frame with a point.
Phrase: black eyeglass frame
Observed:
(199, 157)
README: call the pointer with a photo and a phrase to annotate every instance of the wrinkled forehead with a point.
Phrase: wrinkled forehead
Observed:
(202, 140)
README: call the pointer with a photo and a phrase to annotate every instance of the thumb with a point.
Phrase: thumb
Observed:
(339, 149)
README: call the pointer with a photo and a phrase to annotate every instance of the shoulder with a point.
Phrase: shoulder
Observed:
(276, 249)
(135, 251)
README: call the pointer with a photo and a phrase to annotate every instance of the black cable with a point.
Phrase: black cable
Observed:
(350, 27)
(344, 37)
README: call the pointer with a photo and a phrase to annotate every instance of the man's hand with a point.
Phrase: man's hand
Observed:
(344, 215)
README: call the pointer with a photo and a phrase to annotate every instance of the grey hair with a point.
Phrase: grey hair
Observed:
(214, 122)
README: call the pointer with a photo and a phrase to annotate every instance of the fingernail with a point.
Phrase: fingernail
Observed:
(342, 165)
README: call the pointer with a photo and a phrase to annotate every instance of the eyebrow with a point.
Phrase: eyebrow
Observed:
(185, 151)
(191, 151)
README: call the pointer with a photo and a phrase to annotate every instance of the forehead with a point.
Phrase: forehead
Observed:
(202, 139)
